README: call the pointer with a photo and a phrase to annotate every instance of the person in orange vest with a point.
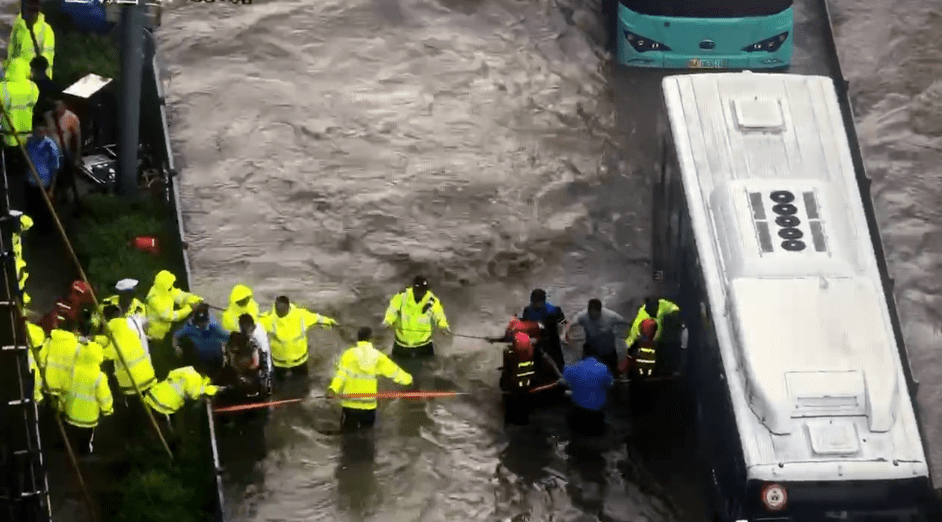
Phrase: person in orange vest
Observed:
(643, 352)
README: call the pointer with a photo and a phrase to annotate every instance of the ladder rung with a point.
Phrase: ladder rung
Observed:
(32, 493)
(14, 348)
(18, 402)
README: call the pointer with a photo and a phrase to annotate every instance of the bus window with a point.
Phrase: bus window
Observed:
(707, 8)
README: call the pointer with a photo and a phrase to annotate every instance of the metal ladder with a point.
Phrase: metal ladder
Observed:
(24, 488)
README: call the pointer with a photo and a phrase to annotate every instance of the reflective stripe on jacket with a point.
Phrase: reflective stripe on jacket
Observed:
(19, 96)
(664, 308)
(88, 398)
(162, 300)
(356, 373)
(21, 43)
(288, 335)
(58, 357)
(139, 368)
(168, 396)
(413, 321)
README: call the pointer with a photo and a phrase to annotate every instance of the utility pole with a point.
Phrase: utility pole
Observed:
(129, 110)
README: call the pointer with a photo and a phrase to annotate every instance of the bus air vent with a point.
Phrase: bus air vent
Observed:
(826, 394)
(786, 223)
(758, 115)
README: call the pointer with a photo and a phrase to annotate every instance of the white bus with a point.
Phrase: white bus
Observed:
(803, 410)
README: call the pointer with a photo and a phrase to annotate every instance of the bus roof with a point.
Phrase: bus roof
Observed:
(791, 272)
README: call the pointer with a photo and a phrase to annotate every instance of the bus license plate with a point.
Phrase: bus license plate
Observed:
(706, 63)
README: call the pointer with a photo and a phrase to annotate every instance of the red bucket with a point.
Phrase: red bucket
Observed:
(147, 244)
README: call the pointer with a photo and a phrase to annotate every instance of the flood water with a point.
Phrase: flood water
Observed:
(332, 150)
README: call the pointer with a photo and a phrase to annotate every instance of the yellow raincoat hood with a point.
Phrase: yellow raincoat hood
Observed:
(163, 282)
(17, 70)
(367, 356)
(239, 292)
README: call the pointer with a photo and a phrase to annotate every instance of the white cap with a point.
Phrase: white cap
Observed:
(126, 285)
(15, 213)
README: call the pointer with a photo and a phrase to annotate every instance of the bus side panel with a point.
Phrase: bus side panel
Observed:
(719, 440)
(683, 36)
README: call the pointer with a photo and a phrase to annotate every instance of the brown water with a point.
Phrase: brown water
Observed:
(333, 149)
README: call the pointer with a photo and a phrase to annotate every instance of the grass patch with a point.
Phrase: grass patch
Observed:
(149, 487)
(79, 54)
(104, 242)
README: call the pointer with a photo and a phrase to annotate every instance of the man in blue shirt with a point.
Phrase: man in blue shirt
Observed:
(45, 155)
(206, 336)
(589, 380)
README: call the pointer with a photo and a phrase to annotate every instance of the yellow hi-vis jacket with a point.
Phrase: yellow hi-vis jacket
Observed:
(21, 43)
(413, 321)
(288, 334)
(19, 95)
(58, 357)
(139, 368)
(664, 308)
(162, 300)
(168, 395)
(135, 308)
(357, 371)
(230, 316)
(26, 223)
(37, 337)
(88, 397)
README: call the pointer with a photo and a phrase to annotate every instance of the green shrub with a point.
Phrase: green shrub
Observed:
(104, 243)
(157, 490)
(79, 54)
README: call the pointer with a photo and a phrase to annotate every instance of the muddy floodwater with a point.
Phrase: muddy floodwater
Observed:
(332, 150)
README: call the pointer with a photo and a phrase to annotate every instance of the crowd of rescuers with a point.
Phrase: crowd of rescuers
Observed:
(236, 353)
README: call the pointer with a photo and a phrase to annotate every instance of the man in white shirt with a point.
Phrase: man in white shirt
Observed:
(248, 327)
(602, 327)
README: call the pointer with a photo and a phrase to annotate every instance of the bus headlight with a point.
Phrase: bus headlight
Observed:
(769, 45)
(643, 45)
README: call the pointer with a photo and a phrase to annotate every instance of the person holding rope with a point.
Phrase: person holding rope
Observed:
(410, 313)
(288, 325)
(356, 374)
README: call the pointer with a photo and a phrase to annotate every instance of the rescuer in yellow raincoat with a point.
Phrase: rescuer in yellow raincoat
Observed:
(139, 369)
(37, 338)
(87, 399)
(124, 300)
(287, 327)
(58, 357)
(644, 337)
(169, 395)
(162, 302)
(30, 33)
(240, 302)
(356, 374)
(411, 313)
(653, 308)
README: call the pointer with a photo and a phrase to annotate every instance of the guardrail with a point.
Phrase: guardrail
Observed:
(864, 182)
(154, 118)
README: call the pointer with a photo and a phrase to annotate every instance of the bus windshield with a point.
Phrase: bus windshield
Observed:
(708, 8)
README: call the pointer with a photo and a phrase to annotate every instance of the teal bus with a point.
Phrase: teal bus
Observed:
(704, 34)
